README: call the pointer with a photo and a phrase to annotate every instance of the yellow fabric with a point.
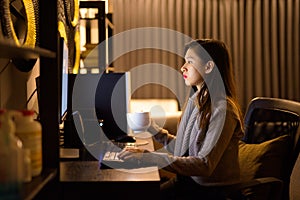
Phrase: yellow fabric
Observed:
(264, 159)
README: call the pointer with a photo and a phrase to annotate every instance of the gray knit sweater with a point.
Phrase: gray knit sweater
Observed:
(210, 162)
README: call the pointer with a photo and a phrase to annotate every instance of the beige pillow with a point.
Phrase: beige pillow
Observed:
(264, 159)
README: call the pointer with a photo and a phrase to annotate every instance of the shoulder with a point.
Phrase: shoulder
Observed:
(233, 107)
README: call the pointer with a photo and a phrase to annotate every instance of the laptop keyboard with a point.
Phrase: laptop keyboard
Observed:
(112, 156)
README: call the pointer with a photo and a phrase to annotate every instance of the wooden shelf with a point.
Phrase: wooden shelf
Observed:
(31, 189)
(9, 50)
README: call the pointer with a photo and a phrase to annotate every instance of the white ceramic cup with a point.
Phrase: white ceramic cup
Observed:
(138, 121)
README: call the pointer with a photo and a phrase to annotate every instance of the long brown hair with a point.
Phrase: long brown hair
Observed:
(215, 50)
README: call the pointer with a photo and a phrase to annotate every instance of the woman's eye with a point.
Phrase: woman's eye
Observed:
(189, 62)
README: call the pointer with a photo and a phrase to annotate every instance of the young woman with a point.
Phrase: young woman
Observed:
(204, 152)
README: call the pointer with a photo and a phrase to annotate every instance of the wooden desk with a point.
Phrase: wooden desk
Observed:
(84, 180)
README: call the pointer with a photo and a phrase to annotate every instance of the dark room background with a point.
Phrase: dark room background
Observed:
(263, 37)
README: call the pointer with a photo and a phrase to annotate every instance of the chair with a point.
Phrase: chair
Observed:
(268, 150)
(295, 181)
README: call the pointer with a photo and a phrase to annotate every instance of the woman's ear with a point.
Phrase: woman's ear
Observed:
(209, 67)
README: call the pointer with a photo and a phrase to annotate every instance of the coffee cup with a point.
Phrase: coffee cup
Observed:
(138, 121)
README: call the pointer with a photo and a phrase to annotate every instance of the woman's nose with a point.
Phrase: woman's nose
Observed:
(183, 68)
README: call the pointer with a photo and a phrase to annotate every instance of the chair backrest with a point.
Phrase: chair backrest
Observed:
(267, 118)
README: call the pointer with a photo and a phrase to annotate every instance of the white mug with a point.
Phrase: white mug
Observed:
(139, 121)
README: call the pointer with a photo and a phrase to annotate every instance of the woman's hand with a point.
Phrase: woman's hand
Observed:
(143, 157)
(132, 154)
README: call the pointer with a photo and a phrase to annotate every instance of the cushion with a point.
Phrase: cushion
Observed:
(264, 159)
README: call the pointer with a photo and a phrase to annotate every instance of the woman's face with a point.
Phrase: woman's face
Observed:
(192, 69)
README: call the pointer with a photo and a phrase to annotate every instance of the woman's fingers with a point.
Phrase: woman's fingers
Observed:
(131, 154)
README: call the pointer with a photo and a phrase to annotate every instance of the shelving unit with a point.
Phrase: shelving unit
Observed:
(10, 51)
(49, 96)
(99, 58)
(30, 190)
